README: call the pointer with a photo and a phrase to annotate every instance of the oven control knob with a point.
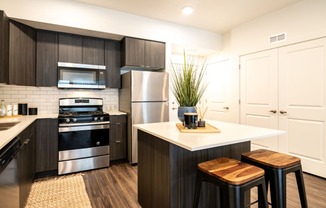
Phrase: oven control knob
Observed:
(74, 119)
(67, 120)
(95, 118)
(101, 118)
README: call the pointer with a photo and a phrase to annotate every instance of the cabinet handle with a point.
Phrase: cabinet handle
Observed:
(226, 108)
(174, 108)
(283, 112)
(273, 111)
(118, 141)
(27, 141)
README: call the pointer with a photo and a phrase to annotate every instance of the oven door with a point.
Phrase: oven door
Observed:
(83, 141)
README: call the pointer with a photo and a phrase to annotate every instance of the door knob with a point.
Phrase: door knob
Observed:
(282, 112)
(174, 108)
(273, 111)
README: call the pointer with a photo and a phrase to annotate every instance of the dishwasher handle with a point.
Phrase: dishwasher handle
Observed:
(9, 152)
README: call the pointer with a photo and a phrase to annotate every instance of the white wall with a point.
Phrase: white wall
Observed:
(301, 21)
(80, 15)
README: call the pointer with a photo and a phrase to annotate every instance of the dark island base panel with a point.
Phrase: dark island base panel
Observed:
(167, 173)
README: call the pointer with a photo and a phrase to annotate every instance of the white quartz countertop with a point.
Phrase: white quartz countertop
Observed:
(230, 134)
(24, 121)
(116, 113)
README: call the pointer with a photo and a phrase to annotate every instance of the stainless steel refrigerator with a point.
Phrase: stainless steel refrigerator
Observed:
(144, 97)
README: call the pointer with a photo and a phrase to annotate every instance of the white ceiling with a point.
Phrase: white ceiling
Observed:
(212, 15)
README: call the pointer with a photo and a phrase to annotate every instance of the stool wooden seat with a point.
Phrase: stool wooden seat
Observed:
(276, 166)
(233, 178)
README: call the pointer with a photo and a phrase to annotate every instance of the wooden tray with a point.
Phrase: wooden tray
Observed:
(207, 129)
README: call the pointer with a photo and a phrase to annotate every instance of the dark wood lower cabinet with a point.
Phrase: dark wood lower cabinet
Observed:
(118, 137)
(26, 163)
(46, 147)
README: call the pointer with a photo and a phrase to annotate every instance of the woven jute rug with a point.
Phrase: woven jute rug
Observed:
(63, 192)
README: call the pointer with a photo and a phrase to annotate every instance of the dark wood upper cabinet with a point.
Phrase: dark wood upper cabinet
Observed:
(21, 54)
(155, 54)
(142, 53)
(81, 49)
(4, 48)
(70, 48)
(112, 63)
(133, 52)
(46, 58)
(30, 57)
(93, 51)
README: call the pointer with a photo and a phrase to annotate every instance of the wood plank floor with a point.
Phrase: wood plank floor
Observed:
(116, 187)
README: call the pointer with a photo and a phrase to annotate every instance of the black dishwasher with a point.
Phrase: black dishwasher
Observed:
(9, 187)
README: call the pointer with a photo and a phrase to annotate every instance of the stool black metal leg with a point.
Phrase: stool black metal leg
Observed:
(197, 189)
(233, 197)
(262, 197)
(278, 189)
(301, 188)
(224, 197)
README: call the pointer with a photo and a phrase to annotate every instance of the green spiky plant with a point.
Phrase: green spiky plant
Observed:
(187, 79)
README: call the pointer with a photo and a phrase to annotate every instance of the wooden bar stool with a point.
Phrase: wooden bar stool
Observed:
(233, 178)
(276, 166)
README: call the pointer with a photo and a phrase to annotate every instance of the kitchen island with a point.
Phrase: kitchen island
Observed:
(167, 160)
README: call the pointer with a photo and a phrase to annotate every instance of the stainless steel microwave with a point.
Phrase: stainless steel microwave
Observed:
(83, 76)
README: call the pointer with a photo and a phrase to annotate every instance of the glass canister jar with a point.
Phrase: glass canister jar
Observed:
(2, 108)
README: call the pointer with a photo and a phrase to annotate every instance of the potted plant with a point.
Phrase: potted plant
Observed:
(187, 84)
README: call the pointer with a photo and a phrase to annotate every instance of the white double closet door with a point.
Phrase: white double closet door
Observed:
(285, 89)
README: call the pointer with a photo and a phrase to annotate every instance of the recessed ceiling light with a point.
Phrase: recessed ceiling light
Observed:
(187, 10)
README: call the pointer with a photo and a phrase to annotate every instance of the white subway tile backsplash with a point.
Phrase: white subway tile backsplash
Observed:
(19, 96)
(9, 92)
(52, 92)
(46, 99)
(34, 96)
(16, 87)
(26, 92)
(41, 100)
(25, 100)
(40, 92)
(5, 97)
(10, 100)
(30, 88)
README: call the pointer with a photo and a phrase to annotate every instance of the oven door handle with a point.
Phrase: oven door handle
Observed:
(83, 124)
(84, 128)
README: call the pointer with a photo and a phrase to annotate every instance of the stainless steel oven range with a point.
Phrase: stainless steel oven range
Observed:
(83, 135)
